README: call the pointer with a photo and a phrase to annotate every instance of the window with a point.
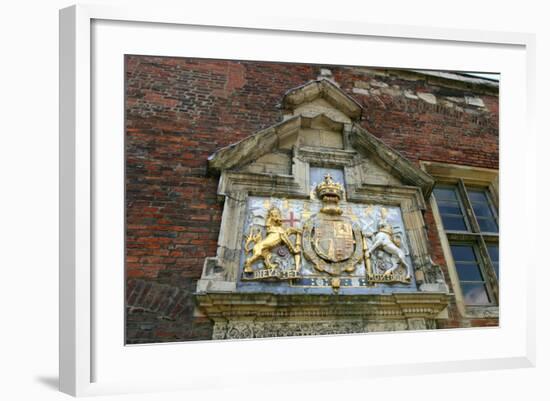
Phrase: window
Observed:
(468, 268)
(470, 221)
(465, 206)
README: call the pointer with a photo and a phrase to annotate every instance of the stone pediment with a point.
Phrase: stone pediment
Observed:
(295, 132)
(314, 206)
(322, 96)
(385, 158)
(320, 130)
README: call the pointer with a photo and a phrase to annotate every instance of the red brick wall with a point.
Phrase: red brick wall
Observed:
(179, 111)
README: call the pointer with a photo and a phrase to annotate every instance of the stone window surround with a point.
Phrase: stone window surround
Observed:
(471, 176)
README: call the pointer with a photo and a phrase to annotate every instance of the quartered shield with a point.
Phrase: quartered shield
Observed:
(331, 244)
(333, 240)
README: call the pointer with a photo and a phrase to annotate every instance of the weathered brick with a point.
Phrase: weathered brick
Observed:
(180, 110)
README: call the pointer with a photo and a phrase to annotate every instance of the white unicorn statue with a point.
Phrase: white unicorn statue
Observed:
(385, 240)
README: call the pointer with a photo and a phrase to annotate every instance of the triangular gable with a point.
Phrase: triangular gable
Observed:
(295, 133)
(322, 89)
(253, 147)
(391, 159)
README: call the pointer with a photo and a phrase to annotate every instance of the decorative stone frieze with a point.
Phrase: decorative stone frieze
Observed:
(270, 315)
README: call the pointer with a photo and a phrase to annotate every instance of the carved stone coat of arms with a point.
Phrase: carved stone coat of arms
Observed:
(338, 246)
(332, 243)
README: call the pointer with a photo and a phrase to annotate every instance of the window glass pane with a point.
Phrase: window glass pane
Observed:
(487, 225)
(454, 223)
(493, 254)
(474, 293)
(482, 210)
(464, 253)
(445, 193)
(449, 208)
(477, 195)
(468, 272)
(495, 265)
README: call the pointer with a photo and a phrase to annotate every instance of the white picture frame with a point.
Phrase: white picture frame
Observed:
(84, 356)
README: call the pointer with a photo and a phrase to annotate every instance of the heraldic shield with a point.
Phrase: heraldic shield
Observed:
(333, 240)
(332, 244)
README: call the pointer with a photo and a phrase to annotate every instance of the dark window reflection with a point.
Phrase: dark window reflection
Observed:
(493, 253)
(450, 209)
(460, 208)
(483, 211)
(463, 253)
(469, 273)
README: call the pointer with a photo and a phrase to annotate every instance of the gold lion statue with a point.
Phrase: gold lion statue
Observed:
(276, 235)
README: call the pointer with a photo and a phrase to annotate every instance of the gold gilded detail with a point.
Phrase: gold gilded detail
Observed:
(330, 193)
(332, 243)
(276, 235)
(331, 240)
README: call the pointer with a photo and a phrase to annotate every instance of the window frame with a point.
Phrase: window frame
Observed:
(476, 249)
(463, 177)
(461, 205)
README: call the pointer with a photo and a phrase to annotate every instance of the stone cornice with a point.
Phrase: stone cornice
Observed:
(264, 141)
(387, 194)
(228, 306)
(258, 184)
